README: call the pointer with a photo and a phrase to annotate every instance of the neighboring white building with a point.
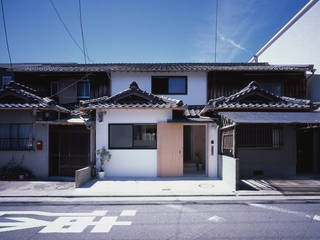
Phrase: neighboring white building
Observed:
(297, 42)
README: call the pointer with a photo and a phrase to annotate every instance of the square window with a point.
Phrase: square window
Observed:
(144, 136)
(169, 85)
(120, 136)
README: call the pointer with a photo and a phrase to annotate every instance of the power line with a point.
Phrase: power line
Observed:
(6, 34)
(67, 29)
(215, 42)
(82, 34)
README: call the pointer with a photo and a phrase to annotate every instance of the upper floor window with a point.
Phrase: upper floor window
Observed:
(54, 88)
(83, 90)
(16, 137)
(169, 85)
(5, 78)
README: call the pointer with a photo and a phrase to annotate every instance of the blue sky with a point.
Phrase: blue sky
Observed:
(142, 30)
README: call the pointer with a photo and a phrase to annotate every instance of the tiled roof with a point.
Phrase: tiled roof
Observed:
(193, 111)
(133, 97)
(152, 67)
(255, 98)
(18, 96)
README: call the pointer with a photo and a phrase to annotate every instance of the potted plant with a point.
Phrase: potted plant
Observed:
(103, 155)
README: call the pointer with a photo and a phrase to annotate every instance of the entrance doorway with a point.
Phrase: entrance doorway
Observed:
(305, 151)
(194, 150)
(69, 149)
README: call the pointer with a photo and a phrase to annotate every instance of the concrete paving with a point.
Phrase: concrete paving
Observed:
(116, 188)
(162, 187)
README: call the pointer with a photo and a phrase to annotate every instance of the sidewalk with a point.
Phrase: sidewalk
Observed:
(160, 187)
(117, 187)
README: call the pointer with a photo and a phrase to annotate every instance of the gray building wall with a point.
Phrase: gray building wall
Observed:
(35, 160)
(313, 87)
(274, 162)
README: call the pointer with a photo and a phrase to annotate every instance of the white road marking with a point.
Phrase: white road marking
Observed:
(180, 207)
(23, 223)
(98, 213)
(66, 222)
(129, 213)
(301, 214)
(316, 218)
(216, 219)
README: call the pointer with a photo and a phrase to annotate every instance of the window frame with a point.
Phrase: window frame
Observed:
(81, 82)
(276, 137)
(132, 139)
(167, 93)
(32, 148)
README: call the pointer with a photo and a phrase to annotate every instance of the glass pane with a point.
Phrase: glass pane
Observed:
(25, 131)
(4, 131)
(145, 136)
(120, 136)
(177, 85)
(83, 89)
(159, 85)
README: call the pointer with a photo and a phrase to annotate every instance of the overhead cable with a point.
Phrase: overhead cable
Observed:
(6, 34)
(67, 30)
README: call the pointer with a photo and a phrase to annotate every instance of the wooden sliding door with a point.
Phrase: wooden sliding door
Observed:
(170, 149)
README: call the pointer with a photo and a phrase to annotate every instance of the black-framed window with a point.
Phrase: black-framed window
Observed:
(259, 136)
(132, 136)
(83, 89)
(16, 137)
(169, 85)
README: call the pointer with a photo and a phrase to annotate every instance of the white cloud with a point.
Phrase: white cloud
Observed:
(232, 42)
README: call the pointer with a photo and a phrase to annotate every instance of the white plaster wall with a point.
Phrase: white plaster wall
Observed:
(36, 161)
(212, 133)
(299, 45)
(197, 84)
(135, 162)
(230, 171)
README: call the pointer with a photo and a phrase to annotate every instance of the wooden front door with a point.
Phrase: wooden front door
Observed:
(69, 149)
(170, 149)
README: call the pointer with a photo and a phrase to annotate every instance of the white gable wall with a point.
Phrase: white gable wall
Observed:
(197, 84)
(299, 44)
(129, 162)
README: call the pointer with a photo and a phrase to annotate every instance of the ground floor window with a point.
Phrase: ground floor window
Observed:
(259, 136)
(16, 137)
(132, 136)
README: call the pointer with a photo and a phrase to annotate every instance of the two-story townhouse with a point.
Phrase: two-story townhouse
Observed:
(184, 144)
(153, 127)
(65, 139)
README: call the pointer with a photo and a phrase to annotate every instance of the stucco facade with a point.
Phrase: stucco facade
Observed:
(196, 84)
(129, 162)
(34, 160)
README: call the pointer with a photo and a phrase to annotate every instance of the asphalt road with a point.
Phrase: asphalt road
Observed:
(187, 220)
